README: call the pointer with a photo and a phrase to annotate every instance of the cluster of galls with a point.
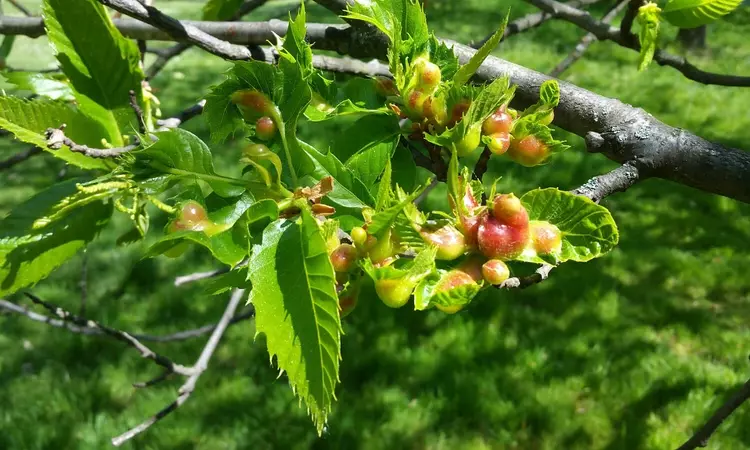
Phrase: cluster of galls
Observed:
(256, 107)
(425, 110)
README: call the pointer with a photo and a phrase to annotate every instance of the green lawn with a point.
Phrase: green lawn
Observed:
(631, 351)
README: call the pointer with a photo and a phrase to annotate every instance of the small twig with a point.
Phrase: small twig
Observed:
(137, 110)
(586, 42)
(433, 184)
(701, 437)
(183, 116)
(156, 380)
(185, 279)
(19, 157)
(618, 180)
(626, 25)
(481, 167)
(117, 334)
(200, 366)
(56, 139)
(21, 8)
(529, 22)
(538, 276)
(178, 336)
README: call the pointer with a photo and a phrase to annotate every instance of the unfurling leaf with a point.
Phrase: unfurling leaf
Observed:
(648, 19)
(588, 229)
(297, 309)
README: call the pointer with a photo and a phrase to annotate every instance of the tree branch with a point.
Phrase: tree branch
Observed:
(122, 336)
(586, 42)
(700, 438)
(605, 185)
(603, 31)
(21, 8)
(89, 331)
(19, 157)
(198, 368)
(56, 139)
(530, 22)
(184, 115)
(624, 133)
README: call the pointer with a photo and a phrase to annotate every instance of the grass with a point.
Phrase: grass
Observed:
(631, 351)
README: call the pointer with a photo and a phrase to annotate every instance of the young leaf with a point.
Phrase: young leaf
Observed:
(101, 64)
(468, 70)
(27, 255)
(648, 19)
(181, 154)
(229, 242)
(694, 13)
(296, 307)
(588, 229)
(385, 188)
(28, 120)
(383, 220)
(549, 98)
(366, 146)
(426, 294)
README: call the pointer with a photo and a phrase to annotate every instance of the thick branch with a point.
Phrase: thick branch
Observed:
(700, 438)
(604, 32)
(586, 42)
(623, 132)
(200, 366)
(529, 22)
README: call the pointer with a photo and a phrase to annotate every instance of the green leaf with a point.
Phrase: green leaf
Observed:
(27, 255)
(527, 125)
(296, 307)
(694, 13)
(349, 193)
(101, 64)
(220, 9)
(425, 295)
(404, 171)
(468, 70)
(28, 120)
(5, 48)
(356, 98)
(385, 188)
(648, 35)
(385, 218)
(235, 278)
(42, 84)
(182, 155)
(295, 45)
(230, 246)
(588, 229)
(366, 146)
(444, 57)
(549, 98)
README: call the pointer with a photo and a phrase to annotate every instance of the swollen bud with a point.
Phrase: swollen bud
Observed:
(434, 110)
(265, 129)
(495, 271)
(415, 103)
(507, 209)
(470, 141)
(499, 240)
(393, 292)
(359, 236)
(529, 151)
(452, 280)
(499, 143)
(254, 102)
(343, 258)
(499, 122)
(545, 237)
(449, 241)
(428, 74)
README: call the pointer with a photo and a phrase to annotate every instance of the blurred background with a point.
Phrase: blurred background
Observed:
(631, 351)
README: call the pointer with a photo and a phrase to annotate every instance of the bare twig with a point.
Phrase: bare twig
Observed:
(701, 437)
(117, 334)
(529, 22)
(90, 331)
(586, 42)
(481, 167)
(197, 276)
(617, 180)
(21, 8)
(626, 25)
(200, 366)
(603, 31)
(433, 184)
(137, 110)
(538, 276)
(56, 139)
(183, 116)
(19, 157)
